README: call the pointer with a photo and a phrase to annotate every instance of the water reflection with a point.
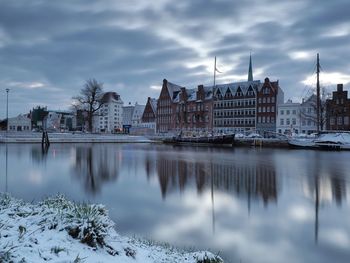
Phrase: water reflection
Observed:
(226, 199)
(95, 165)
(257, 181)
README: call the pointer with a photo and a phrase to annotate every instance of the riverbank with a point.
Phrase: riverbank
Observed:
(58, 230)
(36, 137)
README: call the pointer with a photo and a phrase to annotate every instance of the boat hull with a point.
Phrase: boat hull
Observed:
(227, 140)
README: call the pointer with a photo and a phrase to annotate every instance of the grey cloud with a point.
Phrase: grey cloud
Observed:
(62, 43)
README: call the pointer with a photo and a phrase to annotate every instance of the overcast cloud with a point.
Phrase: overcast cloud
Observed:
(49, 48)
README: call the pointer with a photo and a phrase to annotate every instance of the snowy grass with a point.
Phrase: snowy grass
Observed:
(58, 230)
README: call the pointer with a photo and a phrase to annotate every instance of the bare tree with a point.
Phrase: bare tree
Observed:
(90, 99)
(313, 114)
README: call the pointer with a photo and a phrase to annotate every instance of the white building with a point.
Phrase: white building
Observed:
(127, 117)
(57, 120)
(136, 118)
(288, 118)
(109, 118)
(132, 116)
(20, 123)
(308, 115)
(297, 117)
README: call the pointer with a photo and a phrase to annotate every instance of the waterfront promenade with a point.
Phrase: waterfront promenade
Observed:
(36, 137)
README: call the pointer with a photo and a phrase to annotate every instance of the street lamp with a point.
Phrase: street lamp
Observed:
(7, 110)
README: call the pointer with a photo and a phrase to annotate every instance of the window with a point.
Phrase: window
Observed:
(264, 100)
(288, 121)
(282, 112)
(273, 100)
(294, 112)
(340, 120)
(267, 109)
(287, 112)
(281, 121)
(346, 120)
(268, 99)
(294, 121)
(272, 109)
(266, 91)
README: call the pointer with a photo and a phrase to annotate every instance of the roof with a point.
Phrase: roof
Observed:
(110, 95)
(153, 103)
(192, 94)
(233, 87)
(173, 89)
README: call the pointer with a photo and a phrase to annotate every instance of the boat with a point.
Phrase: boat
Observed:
(219, 140)
(327, 140)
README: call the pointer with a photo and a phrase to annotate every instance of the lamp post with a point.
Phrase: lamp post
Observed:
(7, 110)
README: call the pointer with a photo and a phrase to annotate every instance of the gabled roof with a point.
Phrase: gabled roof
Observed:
(153, 103)
(272, 84)
(233, 87)
(173, 89)
(192, 94)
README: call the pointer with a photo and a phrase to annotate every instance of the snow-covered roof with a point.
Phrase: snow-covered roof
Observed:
(173, 89)
(233, 87)
(192, 94)
(154, 104)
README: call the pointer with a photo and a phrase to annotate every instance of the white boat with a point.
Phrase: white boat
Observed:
(323, 141)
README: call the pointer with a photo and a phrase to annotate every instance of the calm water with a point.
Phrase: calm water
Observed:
(250, 205)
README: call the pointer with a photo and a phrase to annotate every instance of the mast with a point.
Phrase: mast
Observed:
(214, 71)
(213, 102)
(318, 93)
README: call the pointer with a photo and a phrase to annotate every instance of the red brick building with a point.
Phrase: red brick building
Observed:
(165, 107)
(338, 110)
(193, 109)
(150, 112)
(268, 97)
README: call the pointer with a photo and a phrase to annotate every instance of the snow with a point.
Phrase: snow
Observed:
(341, 137)
(57, 230)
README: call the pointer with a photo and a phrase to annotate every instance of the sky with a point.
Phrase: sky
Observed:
(48, 49)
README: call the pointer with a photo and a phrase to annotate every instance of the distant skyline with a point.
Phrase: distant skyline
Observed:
(48, 49)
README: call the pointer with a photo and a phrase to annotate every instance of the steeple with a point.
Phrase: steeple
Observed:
(250, 72)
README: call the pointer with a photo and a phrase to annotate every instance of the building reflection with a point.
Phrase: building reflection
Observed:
(95, 165)
(247, 180)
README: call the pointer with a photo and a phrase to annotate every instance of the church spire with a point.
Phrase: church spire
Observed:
(250, 72)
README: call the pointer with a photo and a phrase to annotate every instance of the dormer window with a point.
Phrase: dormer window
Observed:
(266, 91)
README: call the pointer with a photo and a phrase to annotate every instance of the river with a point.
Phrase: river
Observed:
(246, 204)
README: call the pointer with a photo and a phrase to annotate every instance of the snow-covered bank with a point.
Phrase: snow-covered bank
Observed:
(58, 230)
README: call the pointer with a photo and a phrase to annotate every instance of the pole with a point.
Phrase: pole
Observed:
(214, 71)
(213, 101)
(7, 110)
(318, 93)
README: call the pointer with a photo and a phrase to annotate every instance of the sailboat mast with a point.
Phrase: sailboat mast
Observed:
(318, 93)
(214, 71)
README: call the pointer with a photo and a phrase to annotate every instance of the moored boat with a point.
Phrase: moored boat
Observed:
(323, 141)
(227, 139)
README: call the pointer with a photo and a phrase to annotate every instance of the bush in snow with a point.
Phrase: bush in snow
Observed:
(88, 223)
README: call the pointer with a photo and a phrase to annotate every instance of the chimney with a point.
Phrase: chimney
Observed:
(339, 87)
